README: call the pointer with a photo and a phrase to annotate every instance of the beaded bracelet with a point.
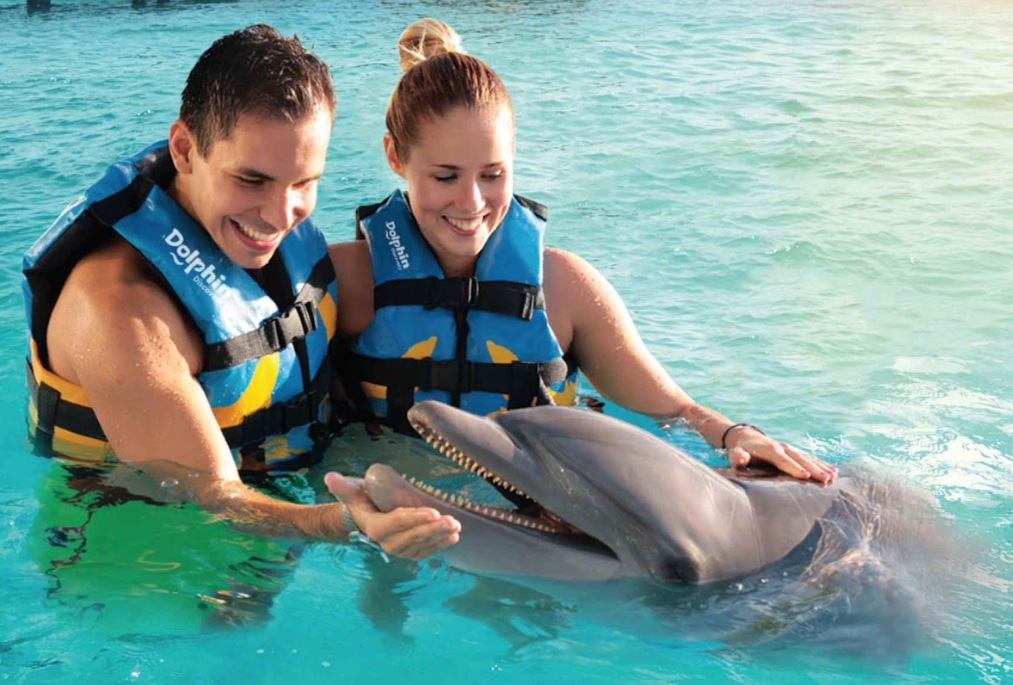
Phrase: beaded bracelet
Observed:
(732, 427)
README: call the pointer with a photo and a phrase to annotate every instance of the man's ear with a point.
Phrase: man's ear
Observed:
(390, 151)
(182, 146)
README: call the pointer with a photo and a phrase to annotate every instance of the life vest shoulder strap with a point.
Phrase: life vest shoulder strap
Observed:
(519, 300)
(277, 332)
(363, 212)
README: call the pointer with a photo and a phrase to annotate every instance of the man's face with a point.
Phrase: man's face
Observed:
(254, 186)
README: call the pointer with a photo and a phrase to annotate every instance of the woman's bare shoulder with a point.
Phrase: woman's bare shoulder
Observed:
(354, 272)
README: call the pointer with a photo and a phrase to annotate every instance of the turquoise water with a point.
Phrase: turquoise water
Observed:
(806, 206)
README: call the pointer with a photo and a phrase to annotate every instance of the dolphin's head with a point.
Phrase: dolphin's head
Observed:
(613, 500)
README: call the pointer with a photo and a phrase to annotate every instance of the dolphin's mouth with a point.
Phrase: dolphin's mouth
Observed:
(528, 514)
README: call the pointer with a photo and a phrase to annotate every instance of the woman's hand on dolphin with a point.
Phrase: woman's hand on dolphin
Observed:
(751, 444)
(412, 533)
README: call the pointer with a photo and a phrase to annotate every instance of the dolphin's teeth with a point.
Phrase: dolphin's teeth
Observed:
(484, 509)
(447, 449)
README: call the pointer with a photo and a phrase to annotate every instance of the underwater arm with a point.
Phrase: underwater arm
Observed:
(122, 339)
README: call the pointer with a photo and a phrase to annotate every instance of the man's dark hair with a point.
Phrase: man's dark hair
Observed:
(254, 71)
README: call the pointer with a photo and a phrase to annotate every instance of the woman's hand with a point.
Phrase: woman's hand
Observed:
(746, 443)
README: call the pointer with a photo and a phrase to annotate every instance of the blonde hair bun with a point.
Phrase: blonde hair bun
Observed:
(426, 38)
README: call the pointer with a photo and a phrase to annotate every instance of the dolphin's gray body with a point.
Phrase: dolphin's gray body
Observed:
(642, 506)
(858, 566)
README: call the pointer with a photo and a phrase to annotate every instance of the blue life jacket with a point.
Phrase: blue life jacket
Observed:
(266, 370)
(481, 343)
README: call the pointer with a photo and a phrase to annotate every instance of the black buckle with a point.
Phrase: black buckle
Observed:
(528, 307)
(295, 323)
(308, 316)
(298, 320)
(451, 292)
(469, 292)
(274, 333)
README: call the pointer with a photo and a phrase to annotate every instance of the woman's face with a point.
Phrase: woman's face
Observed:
(460, 181)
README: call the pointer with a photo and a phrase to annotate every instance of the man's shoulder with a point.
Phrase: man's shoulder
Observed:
(115, 269)
(112, 296)
(110, 286)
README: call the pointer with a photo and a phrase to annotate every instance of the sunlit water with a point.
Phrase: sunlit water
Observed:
(806, 206)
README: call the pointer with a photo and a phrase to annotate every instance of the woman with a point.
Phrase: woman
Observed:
(452, 295)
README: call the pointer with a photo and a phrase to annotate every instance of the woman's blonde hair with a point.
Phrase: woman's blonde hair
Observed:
(438, 76)
(426, 38)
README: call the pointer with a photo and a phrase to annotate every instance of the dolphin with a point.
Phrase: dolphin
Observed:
(613, 501)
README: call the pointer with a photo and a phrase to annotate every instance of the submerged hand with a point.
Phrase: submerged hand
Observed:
(412, 533)
(750, 444)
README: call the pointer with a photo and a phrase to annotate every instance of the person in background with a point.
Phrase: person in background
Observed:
(451, 294)
(181, 311)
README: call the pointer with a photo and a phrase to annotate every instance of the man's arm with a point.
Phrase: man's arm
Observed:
(120, 337)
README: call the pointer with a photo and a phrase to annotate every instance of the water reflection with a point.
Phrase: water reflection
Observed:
(108, 539)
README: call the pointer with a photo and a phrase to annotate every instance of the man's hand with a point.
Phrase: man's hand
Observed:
(412, 533)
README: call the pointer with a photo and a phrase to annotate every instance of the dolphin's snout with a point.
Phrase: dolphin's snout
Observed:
(389, 490)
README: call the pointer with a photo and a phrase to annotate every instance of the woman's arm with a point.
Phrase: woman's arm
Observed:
(591, 322)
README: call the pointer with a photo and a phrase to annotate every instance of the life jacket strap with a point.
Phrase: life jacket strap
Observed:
(281, 417)
(53, 411)
(456, 374)
(363, 212)
(277, 419)
(277, 332)
(524, 382)
(519, 300)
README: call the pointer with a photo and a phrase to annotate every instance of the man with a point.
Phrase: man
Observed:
(181, 310)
